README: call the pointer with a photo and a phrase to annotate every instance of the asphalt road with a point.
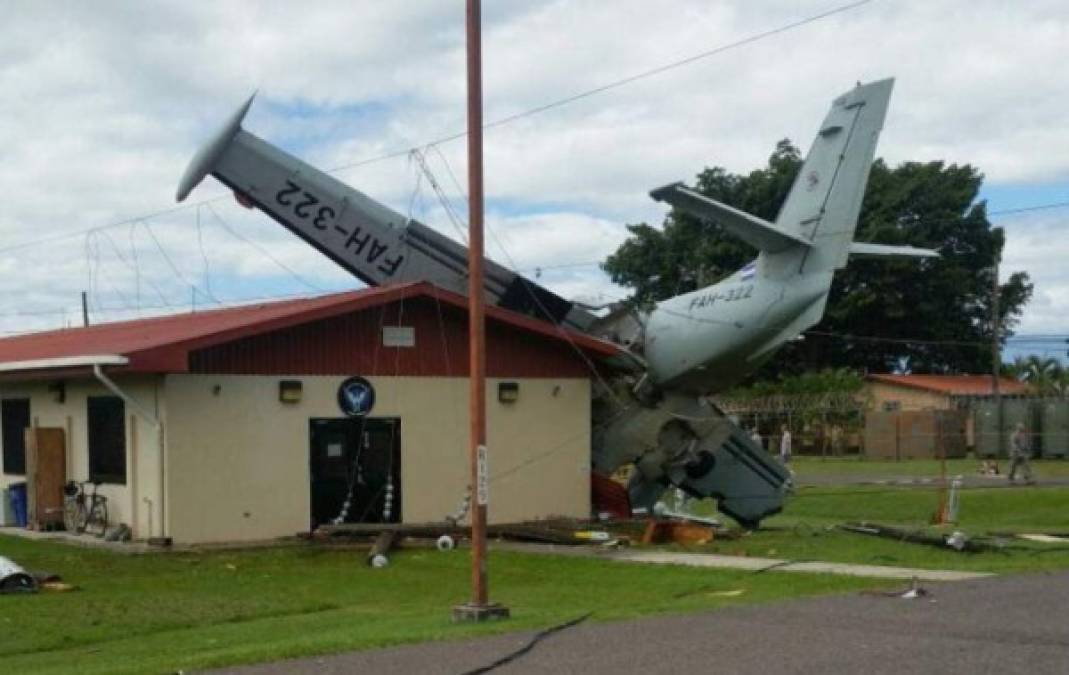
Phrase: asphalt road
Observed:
(1002, 625)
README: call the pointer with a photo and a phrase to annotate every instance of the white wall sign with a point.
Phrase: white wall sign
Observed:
(482, 494)
(398, 336)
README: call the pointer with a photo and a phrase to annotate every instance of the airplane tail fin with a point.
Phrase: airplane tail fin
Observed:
(814, 231)
(825, 200)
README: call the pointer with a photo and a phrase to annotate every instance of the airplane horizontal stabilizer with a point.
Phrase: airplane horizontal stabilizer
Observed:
(759, 233)
(861, 249)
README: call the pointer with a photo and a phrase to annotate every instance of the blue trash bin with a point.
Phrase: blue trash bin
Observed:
(17, 494)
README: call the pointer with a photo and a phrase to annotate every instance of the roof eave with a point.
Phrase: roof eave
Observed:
(63, 363)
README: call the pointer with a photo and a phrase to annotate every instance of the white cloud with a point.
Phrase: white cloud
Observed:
(1037, 244)
(104, 103)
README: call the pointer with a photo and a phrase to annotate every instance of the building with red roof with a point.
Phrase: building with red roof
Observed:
(266, 420)
(934, 392)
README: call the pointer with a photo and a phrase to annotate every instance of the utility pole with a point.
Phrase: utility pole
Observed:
(996, 359)
(479, 608)
(85, 308)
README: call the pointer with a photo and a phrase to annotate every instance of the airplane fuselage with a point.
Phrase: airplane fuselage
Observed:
(707, 340)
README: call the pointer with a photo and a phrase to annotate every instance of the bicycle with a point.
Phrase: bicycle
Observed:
(84, 512)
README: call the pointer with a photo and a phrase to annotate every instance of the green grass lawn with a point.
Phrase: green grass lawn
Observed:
(806, 528)
(182, 611)
(167, 612)
(858, 467)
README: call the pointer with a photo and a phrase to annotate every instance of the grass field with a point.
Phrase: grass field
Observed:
(855, 467)
(163, 613)
(806, 528)
(182, 611)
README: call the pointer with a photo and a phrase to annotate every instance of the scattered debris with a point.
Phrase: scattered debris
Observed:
(683, 533)
(14, 579)
(914, 591)
(954, 500)
(564, 532)
(957, 541)
(733, 593)
(592, 535)
(1045, 538)
(661, 510)
(710, 591)
(120, 532)
(377, 556)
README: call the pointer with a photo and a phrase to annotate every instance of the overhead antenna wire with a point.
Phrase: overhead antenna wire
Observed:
(204, 257)
(270, 256)
(129, 266)
(538, 302)
(1025, 209)
(137, 268)
(170, 262)
(450, 211)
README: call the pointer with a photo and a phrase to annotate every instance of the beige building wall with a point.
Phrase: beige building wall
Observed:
(126, 503)
(237, 458)
(909, 398)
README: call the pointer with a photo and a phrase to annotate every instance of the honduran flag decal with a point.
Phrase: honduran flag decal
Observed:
(749, 270)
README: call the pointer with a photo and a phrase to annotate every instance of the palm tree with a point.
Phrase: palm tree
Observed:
(1046, 376)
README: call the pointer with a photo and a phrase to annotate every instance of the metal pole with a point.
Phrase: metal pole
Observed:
(85, 308)
(996, 360)
(478, 609)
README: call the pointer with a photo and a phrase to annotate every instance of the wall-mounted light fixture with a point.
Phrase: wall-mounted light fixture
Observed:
(508, 392)
(58, 390)
(290, 391)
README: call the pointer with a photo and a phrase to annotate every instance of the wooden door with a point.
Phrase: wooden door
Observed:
(46, 473)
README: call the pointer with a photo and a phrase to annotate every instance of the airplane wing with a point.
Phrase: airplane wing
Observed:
(365, 237)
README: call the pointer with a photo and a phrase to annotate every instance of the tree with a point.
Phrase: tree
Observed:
(1046, 376)
(933, 313)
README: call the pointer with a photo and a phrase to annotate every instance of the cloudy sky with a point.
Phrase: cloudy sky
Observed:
(104, 102)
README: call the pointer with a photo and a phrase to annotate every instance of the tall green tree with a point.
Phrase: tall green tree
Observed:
(930, 315)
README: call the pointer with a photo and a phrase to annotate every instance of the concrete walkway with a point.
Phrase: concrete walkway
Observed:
(773, 564)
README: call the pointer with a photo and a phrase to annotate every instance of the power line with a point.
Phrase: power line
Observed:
(401, 152)
(869, 338)
(263, 250)
(1024, 209)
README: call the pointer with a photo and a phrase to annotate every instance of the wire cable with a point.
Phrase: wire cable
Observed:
(393, 154)
(270, 256)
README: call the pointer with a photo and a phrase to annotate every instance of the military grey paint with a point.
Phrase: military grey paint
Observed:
(372, 241)
(705, 341)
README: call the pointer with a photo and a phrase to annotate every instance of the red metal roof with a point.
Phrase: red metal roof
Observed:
(953, 385)
(163, 343)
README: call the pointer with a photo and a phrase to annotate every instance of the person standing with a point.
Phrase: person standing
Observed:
(755, 436)
(1020, 455)
(785, 445)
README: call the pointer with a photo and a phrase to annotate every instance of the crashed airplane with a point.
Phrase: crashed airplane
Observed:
(654, 412)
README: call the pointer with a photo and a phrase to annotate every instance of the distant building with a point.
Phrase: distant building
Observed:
(926, 416)
(266, 420)
(933, 392)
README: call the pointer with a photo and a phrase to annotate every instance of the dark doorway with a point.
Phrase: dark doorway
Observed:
(15, 414)
(355, 461)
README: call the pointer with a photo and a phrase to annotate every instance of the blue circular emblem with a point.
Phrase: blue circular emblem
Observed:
(356, 397)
